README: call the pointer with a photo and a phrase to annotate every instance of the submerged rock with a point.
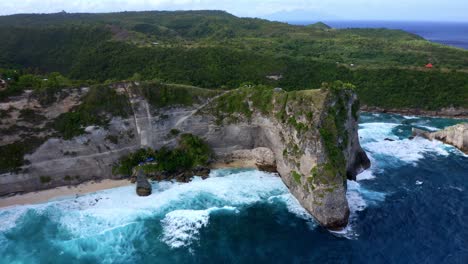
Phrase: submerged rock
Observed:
(143, 187)
(456, 136)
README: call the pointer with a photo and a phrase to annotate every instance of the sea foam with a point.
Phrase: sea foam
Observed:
(359, 198)
(182, 227)
(183, 208)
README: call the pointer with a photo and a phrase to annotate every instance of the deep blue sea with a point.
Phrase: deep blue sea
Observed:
(449, 33)
(411, 206)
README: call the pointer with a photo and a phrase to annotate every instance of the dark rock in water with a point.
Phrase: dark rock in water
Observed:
(411, 138)
(389, 139)
(181, 175)
(416, 132)
(143, 187)
(203, 172)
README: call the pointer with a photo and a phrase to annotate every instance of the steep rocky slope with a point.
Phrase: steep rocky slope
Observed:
(311, 134)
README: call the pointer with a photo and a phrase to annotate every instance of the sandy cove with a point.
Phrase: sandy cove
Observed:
(92, 186)
(63, 191)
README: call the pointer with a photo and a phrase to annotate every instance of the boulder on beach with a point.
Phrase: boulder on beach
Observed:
(143, 187)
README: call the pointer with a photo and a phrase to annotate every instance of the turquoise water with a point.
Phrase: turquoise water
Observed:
(410, 207)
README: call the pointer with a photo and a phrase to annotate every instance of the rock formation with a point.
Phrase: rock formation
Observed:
(310, 137)
(143, 187)
(456, 136)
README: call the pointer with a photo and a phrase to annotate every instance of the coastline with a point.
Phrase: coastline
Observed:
(443, 113)
(62, 191)
(47, 195)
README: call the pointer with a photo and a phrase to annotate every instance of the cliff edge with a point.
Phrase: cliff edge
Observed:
(310, 135)
(313, 135)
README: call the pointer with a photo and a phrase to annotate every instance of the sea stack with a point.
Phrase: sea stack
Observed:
(143, 187)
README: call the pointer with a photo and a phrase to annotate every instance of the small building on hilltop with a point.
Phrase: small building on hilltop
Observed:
(274, 77)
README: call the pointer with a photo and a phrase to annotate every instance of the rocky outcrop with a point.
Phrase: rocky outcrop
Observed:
(143, 187)
(456, 136)
(261, 158)
(309, 137)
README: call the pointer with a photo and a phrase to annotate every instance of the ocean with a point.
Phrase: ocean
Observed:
(409, 207)
(448, 33)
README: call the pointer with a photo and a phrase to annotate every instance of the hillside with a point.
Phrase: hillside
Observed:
(214, 49)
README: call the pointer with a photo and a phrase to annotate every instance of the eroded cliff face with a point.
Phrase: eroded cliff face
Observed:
(311, 135)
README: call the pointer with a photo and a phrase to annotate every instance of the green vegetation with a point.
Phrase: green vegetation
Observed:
(128, 162)
(214, 49)
(174, 132)
(296, 176)
(100, 102)
(190, 153)
(12, 155)
(334, 135)
(237, 102)
(160, 94)
(112, 139)
(31, 116)
(45, 179)
(45, 87)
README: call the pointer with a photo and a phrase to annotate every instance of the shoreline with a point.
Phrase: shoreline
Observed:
(56, 193)
(416, 112)
(44, 196)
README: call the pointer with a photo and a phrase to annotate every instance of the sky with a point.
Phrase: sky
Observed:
(286, 10)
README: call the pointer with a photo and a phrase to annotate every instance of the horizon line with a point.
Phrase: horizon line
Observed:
(240, 16)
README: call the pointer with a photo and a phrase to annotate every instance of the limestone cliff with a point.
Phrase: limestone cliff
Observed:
(455, 135)
(310, 134)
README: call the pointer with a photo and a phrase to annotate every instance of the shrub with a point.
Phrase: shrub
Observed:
(190, 152)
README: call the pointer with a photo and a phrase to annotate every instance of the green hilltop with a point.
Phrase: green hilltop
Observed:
(214, 49)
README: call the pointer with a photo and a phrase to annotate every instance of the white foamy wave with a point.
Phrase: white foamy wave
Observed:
(430, 128)
(182, 227)
(294, 207)
(365, 175)
(410, 117)
(370, 173)
(9, 217)
(406, 150)
(359, 199)
(369, 132)
(89, 215)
